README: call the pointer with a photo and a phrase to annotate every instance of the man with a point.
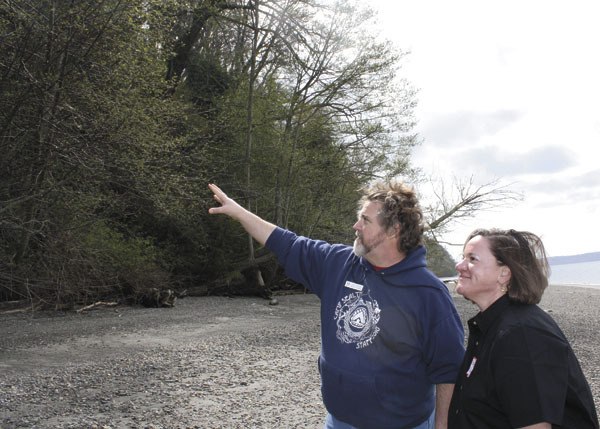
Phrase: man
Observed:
(392, 341)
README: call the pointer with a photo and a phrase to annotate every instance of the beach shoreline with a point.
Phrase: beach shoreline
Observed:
(209, 362)
(582, 285)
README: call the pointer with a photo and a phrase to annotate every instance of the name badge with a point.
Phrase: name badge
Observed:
(471, 367)
(355, 286)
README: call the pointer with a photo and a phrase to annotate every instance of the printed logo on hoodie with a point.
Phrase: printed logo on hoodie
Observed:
(356, 316)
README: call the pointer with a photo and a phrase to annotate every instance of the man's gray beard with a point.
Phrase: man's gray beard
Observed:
(359, 248)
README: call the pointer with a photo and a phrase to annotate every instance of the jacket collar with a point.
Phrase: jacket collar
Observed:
(485, 319)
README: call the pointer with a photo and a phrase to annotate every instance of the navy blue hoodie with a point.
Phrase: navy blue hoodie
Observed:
(388, 337)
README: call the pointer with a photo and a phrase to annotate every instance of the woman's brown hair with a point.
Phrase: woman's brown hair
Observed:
(524, 254)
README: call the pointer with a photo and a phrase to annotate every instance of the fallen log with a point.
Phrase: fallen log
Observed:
(98, 304)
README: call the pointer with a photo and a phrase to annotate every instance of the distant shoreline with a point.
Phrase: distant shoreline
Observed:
(574, 259)
(582, 285)
(451, 283)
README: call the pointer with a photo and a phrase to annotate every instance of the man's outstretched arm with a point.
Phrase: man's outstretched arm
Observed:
(257, 227)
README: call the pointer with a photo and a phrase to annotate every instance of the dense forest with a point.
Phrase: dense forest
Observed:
(117, 114)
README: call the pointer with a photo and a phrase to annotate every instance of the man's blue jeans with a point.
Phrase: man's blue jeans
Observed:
(333, 423)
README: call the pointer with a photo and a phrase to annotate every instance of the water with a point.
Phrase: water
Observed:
(582, 273)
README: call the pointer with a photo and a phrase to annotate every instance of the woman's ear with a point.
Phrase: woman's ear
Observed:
(505, 273)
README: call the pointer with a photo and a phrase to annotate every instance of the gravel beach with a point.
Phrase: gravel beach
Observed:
(209, 362)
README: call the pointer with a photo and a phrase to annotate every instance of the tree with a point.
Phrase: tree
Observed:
(83, 126)
(325, 114)
(464, 200)
(439, 260)
(117, 114)
(328, 71)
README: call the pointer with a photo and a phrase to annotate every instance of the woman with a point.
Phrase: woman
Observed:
(519, 370)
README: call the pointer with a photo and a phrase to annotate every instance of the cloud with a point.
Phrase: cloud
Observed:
(466, 127)
(568, 190)
(503, 163)
(588, 180)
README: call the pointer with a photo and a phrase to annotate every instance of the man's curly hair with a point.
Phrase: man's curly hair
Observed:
(399, 206)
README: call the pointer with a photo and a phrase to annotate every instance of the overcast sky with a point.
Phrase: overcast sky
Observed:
(510, 90)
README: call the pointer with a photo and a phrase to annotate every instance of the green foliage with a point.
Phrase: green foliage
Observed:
(85, 120)
(439, 260)
(115, 250)
(116, 115)
(131, 260)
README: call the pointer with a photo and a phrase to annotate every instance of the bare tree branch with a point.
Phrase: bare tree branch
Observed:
(465, 199)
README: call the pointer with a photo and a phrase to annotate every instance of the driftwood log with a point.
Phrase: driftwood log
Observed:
(98, 304)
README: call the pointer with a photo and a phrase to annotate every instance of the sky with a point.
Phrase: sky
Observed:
(509, 91)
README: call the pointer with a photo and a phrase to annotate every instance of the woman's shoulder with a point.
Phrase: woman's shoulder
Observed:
(528, 318)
